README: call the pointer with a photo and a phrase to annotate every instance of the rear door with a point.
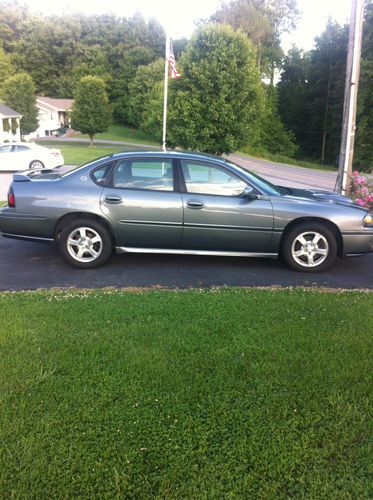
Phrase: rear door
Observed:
(144, 203)
(22, 156)
(216, 215)
(6, 157)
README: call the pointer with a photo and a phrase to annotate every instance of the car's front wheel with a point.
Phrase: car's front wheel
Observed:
(309, 247)
(36, 165)
(85, 243)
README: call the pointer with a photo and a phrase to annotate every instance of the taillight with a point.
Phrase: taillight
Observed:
(11, 198)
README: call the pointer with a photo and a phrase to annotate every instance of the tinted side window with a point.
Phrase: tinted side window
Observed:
(101, 174)
(20, 148)
(152, 174)
(205, 178)
(5, 149)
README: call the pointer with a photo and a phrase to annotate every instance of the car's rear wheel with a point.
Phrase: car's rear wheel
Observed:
(85, 243)
(36, 165)
(309, 247)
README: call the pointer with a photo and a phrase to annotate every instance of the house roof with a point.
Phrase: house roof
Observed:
(55, 104)
(6, 112)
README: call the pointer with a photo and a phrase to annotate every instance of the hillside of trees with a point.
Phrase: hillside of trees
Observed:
(238, 89)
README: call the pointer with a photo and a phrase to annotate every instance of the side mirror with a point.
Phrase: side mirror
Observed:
(249, 193)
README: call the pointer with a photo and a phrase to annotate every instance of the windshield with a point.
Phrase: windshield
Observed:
(266, 186)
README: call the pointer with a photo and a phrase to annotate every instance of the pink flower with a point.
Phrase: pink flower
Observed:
(360, 180)
(361, 202)
(356, 173)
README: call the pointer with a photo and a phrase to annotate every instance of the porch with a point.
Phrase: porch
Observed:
(10, 130)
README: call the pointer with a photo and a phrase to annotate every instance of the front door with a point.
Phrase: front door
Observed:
(143, 203)
(216, 215)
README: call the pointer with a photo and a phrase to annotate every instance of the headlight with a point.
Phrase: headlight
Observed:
(368, 220)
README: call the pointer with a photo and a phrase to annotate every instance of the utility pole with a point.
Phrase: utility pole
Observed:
(346, 155)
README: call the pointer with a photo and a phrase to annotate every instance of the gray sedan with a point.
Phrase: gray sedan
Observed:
(181, 203)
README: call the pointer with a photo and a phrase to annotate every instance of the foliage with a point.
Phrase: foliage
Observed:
(364, 142)
(58, 50)
(362, 191)
(191, 394)
(91, 109)
(311, 94)
(292, 94)
(274, 137)
(19, 94)
(217, 103)
(6, 69)
(263, 21)
(140, 89)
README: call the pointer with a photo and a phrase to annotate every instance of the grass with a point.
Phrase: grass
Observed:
(77, 154)
(125, 134)
(278, 158)
(195, 394)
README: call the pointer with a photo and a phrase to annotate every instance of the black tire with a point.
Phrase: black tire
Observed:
(318, 252)
(36, 164)
(84, 232)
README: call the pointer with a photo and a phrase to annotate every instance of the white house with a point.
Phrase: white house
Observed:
(9, 124)
(53, 115)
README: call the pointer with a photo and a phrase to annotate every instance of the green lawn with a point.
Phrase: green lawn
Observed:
(77, 154)
(125, 134)
(196, 394)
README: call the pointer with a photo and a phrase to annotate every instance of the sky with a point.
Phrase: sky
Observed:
(178, 17)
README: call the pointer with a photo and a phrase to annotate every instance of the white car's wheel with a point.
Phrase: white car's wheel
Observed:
(36, 165)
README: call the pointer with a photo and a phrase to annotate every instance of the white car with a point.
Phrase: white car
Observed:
(25, 156)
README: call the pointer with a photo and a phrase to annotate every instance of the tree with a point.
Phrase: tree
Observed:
(311, 94)
(217, 103)
(91, 112)
(6, 69)
(263, 21)
(326, 92)
(364, 133)
(292, 94)
(274, 137)
(19, 94)
(140, 89)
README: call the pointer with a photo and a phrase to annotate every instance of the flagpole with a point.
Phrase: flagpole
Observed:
(165, 96)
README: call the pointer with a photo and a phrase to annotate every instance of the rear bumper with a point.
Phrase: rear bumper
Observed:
(13, 224)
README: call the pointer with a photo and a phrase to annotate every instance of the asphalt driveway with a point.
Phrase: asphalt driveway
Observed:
(26, 265)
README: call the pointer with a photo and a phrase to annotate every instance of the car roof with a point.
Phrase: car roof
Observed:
(191, 155)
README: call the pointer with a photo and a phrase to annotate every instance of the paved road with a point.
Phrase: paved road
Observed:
(26, 265)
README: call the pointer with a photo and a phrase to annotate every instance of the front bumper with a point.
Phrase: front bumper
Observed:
(357, 242)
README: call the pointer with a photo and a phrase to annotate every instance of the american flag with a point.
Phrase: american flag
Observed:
(172, 62)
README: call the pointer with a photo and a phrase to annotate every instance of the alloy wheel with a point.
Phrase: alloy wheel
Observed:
(310, 249)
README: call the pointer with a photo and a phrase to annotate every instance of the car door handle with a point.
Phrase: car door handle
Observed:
(113, 199)
(195, 204)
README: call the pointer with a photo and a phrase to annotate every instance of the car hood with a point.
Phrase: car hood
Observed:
(320, 196)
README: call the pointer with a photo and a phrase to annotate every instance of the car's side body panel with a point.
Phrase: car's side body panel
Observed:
(145, 219)
(227, 223)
